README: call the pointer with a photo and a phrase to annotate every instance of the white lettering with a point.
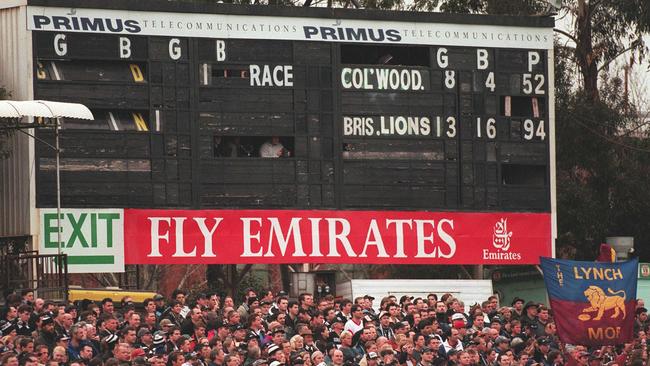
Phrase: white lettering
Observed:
(207, 234)
(249, 236)
(283, 242)
(399, 235)
(443, 59)
(60, 45)
(180, 248)
(221, 50)
(315, 237)
(533, 59)
(446, 238)
(339, 237)
(174, 49)
(376, 241)
(422, 239)
(156, 237)
(125, 47)
(482, 62)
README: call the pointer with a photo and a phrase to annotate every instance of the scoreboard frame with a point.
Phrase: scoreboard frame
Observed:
(167, 167)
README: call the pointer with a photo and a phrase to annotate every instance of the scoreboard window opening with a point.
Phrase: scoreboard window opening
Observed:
(113, 121)
(92, 71)
(384, 55)
(523, 175)
(253, 146)
(515, 106)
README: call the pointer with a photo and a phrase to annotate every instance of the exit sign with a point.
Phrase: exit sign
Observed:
(93, 239)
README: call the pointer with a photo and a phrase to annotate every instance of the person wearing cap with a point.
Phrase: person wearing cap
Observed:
(583, 358)
(46, 334)
(145, 339)
(274, 353)
(384, 329)
(542, 350)
(426, 356)
(530, 315)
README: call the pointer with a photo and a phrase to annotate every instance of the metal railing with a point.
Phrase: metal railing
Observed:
(46, 274)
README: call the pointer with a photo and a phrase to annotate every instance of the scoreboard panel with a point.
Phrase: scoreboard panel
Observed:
(366, 121)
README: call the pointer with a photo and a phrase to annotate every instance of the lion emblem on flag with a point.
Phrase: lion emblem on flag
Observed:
(601, 302)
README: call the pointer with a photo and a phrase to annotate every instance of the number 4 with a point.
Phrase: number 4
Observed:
(489, 82)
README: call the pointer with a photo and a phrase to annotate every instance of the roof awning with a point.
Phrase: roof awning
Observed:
(43, 108)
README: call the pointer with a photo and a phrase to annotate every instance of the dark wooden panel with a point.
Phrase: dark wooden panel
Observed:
(526, 153)
(390, 172)
(231, 100)
(95, 95)
(246, 51)
(524, 198)
(387, 102)
(400, 196)
(106, 194)
(248, 195)
(248, 171)
(100, 145)
(313, 53)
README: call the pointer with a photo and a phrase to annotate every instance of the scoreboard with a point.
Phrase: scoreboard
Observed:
(364, 109)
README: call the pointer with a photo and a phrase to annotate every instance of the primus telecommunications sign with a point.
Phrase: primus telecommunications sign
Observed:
(284, 28)
(299, 236)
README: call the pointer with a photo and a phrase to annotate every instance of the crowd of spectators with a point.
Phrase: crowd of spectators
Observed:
(271, 329)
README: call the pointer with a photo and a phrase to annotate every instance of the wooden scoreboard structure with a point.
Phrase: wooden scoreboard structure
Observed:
(374, 110)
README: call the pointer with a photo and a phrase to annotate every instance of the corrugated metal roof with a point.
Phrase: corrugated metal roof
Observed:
(43, 108)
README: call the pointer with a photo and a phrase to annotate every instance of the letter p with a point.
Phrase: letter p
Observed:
(310, 31)
(40, 21)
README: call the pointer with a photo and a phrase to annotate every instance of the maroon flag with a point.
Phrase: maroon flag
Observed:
(593, 302)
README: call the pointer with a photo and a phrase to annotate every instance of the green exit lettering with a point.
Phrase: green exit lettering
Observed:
(84, 229)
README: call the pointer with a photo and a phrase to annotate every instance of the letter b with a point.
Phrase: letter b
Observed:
(125, 47)
(221, 50)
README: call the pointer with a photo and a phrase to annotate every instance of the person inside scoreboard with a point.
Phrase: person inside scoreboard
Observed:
(273, 149)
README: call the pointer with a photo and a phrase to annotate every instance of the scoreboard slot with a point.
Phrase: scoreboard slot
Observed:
(92, 71)
(523, 175)
(384, 55)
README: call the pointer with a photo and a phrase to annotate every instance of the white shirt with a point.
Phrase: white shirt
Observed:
(269, 150)
(353, 327)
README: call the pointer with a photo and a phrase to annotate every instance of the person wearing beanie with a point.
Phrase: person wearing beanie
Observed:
(47, 335)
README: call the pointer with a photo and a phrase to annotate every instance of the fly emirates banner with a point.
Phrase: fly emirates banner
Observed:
(364, 237)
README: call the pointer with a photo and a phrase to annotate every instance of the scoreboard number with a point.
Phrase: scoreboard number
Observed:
(529, 79)
(451, 127)
(530, 131)
(490, 128)
(489, 81)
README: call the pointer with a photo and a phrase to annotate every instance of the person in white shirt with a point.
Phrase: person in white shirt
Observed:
(272, 149)
(355, 323)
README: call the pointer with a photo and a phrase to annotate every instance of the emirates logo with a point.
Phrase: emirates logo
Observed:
(501, 236)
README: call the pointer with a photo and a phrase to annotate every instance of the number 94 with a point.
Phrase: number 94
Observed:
(531, 131)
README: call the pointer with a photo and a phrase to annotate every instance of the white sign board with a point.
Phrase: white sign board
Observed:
(225, 26)
(93, 239)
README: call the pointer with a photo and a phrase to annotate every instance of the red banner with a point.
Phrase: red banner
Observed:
(300, 236)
